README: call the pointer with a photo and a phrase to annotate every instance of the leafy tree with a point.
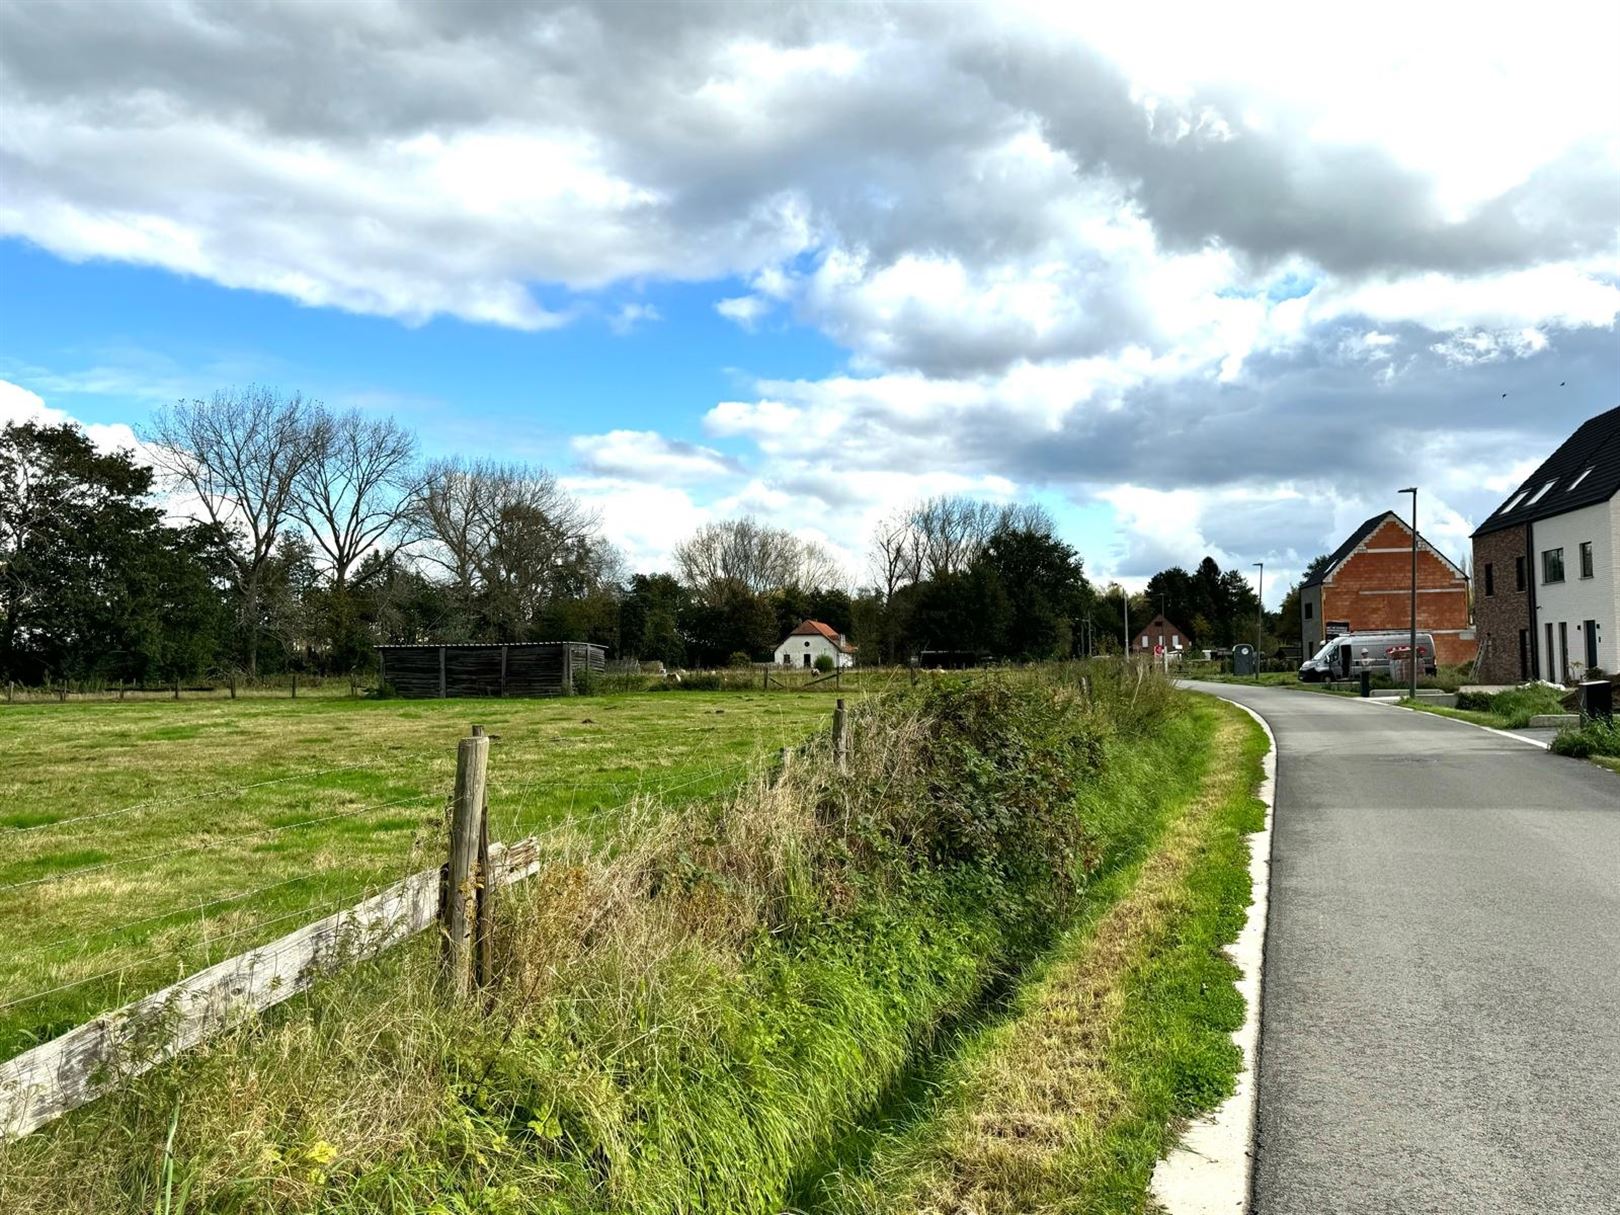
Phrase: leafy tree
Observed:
(650, 616)
(92, 584)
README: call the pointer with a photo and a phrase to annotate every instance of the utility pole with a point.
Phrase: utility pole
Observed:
(1259, 618)
(1125, 603)
(1412, 654)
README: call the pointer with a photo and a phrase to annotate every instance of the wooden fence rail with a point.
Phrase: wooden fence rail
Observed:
(67, 1072)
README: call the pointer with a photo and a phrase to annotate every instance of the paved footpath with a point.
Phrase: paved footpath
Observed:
(1441, 1021)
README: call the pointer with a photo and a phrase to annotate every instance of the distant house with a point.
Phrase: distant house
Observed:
(809, 642)
(1157, 632)
(1547, 599)
(1366, 585)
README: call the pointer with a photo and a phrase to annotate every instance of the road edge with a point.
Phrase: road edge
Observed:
(1211, 1169)
(1461, 721)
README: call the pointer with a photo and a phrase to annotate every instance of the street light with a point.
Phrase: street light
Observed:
(1411, 653)
(1259, 616)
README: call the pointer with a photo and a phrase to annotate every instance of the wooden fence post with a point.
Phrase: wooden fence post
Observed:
(568, 668)
(295, 685)
(840, 738)
(458, 912)
(177, 687)
(484, 931)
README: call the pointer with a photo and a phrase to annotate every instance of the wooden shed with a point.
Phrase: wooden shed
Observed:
(527, 668)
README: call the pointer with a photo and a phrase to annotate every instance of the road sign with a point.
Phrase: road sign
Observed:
(1158, 651)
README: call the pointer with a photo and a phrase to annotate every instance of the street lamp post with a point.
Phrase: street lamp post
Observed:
(1412, 651)
(1259, 616)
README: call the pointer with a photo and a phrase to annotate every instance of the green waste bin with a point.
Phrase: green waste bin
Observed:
(1244, 660)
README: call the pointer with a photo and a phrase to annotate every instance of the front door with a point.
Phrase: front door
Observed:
(807, 661)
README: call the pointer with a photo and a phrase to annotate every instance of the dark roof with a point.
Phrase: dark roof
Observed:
(1361, 533)
(1595, 447)
(1348, 547)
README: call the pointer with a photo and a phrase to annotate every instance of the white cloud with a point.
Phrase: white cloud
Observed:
(630, 316)
(647, 456)
(19, 404)
(745, 310)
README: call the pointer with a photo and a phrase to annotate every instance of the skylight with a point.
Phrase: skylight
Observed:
(1517, 498)
(1542, 492)
(1580, 478)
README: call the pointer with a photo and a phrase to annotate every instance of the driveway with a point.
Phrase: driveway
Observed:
(1441, 1021)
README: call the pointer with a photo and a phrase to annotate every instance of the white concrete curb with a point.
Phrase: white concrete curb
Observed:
(1211, 1171)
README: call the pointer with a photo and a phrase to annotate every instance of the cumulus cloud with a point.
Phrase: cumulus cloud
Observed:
(19, 404)
(1062, 249)
(645, 455)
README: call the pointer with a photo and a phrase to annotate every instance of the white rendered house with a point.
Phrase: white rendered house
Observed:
(810, 641)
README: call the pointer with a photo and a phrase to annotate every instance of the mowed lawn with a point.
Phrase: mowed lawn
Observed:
(142, 841)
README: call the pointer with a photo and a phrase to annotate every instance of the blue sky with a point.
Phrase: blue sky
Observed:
(1220, 293)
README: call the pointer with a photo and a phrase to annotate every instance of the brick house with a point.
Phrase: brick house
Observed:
(1549, 588)
(1366, 586)
(1160, 631)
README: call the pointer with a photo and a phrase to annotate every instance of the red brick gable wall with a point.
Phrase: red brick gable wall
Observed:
(1372, 589)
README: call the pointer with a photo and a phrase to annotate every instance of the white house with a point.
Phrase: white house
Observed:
(1548, 601)
(809, 642)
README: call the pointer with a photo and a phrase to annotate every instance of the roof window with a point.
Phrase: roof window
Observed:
(1517, 498)
(1542, 492)
(1580, 478)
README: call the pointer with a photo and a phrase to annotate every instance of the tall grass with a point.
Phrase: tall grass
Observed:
(687, 1009)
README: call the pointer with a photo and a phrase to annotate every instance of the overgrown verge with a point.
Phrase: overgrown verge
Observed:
(1511, 709)
(686, 1012)
(1068, 1102)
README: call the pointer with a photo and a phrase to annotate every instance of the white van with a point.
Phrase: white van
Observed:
(1348, 656)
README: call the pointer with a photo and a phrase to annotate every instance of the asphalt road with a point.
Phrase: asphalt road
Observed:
(1441, 1021)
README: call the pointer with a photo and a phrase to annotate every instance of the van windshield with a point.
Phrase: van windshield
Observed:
(1325, 652)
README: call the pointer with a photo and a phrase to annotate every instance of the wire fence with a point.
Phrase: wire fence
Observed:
(544, 808)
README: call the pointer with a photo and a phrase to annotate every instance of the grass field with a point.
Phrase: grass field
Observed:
(145, 840)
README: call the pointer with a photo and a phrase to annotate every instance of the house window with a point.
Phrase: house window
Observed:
(1524, 654)
(1580, 478)
(1144, 641)
(1547, 658)
(1490, 578)
(1589, 632)
(1518, 573)
(1309, 609)
(1552, 565)
(1586, 558)
(1542, 492)
(1517, 498)
(1563, 651)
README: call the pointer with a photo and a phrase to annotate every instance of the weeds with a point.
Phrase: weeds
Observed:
(687, 1008)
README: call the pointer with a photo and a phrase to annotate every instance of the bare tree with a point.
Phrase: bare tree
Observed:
(509, 534)
(949, 532)
(896, 554)
(356, 487)
(239, 454)
(743, 554)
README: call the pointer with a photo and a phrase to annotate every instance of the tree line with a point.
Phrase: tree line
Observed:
(264, 532)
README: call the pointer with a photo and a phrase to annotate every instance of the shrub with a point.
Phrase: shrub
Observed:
(1598, 736)
(1518, 705)
(739, 659)
(1479, 702)
(824, 663)
(587, 682)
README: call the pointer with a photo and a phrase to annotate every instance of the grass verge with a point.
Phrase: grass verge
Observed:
(688, 1008)
(1067, 1102)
